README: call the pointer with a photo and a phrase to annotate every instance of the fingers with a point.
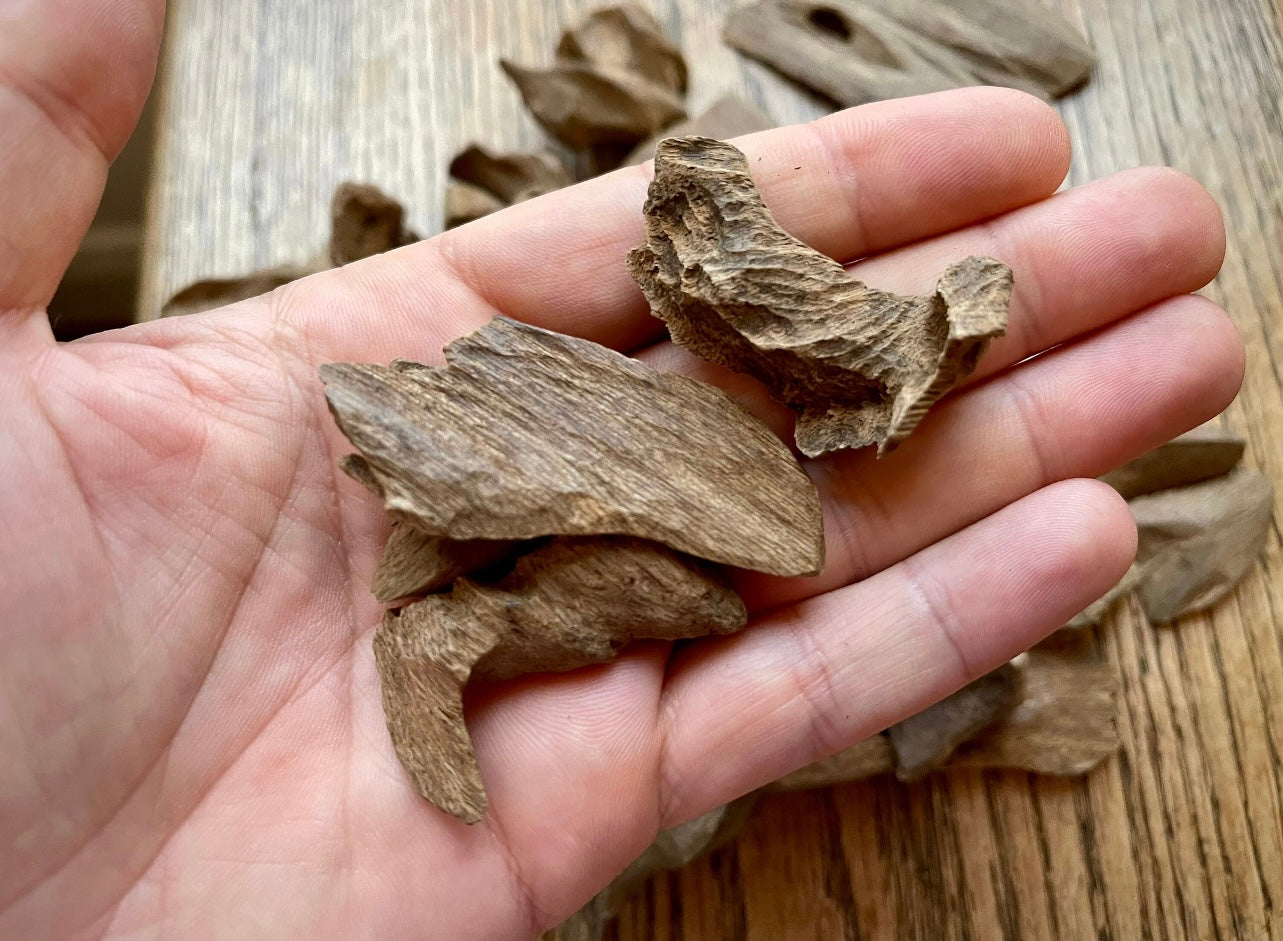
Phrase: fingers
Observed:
(1075, 412)
(807, 680)
(73, 78)
(858, 181)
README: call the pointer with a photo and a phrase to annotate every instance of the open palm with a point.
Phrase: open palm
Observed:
(193, 738)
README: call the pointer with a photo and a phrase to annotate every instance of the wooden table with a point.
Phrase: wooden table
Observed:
(267, 105)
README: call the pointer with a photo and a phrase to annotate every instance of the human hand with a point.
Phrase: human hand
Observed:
(193, 732)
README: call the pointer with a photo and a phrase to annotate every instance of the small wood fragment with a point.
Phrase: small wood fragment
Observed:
(568, 603)
(924, 742)
(365, 221)
(1064, 724)
(617, 80)
(628, 38)
(586, 106)
(511, 177)
(526, 433)
(729, 116)
(1208, 451)
(415, 563)
(1197, 542)
(858, 365)
(856, 51)
(1095, 613)
(466, 203)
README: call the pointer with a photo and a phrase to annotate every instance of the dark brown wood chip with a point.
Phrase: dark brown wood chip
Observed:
(858, 365)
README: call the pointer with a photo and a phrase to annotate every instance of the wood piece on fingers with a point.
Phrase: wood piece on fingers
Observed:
(568, 603)
(859, 366)
(867, 758)
(526, 433)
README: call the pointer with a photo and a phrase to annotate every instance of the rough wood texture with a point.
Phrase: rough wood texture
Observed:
(858, 365)
(854, 51)
(1180, 836)
(574, 439)
(1208, 451)
(560, 608)
(924, 742)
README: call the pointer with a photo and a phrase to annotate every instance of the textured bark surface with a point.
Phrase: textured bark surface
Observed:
(1197, 542)
(858, 365)
(617, 80)
(561, 607)
(855, 51)
(364, 221)
(924, 742)
(415, 563)
(1208, 451)
(527, 433)
(729, 116)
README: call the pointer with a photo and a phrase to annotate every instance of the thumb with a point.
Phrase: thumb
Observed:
(73, 78)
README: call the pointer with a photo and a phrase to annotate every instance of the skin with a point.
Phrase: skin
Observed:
(189, 710)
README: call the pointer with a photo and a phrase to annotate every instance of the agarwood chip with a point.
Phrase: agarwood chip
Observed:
(729, 116)
(856, 51)
(858, 365)
(466, 203)
(1064, 724)
(924, 742)
(527, 433)
(512, 177)
(569, 603)
(365, 221)
(1197, 542)
(1208, 451)
(585, 106)
(626, 37)
(415, 563)
(867, 758)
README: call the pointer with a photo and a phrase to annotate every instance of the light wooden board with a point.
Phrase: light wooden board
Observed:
(266, 106)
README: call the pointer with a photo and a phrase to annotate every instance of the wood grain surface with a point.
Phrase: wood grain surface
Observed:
(267, 105)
